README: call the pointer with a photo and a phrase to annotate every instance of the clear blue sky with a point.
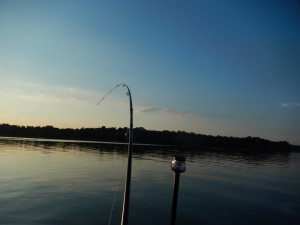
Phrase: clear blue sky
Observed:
(229, 68)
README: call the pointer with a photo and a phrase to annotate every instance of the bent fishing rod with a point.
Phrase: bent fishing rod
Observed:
(125, 211)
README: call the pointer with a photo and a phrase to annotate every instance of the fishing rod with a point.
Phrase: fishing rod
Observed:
(125, 211)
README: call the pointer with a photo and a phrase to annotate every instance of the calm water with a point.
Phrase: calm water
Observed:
(74, 183)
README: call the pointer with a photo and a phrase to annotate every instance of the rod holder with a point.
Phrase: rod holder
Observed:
(178, 166)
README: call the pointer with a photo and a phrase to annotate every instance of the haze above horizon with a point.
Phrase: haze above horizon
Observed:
(228, 68)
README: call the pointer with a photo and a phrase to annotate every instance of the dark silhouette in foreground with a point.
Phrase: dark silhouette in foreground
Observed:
(176, 138)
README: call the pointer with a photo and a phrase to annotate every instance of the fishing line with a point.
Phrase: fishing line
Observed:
(118, 182)
(122, 84)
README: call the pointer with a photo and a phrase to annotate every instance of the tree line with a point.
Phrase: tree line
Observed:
(141, 135)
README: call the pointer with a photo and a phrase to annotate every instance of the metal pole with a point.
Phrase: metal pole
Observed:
(178, 166)
(175, 196)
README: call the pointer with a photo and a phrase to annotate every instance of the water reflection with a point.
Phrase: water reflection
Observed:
(148, 151)
(61, 182)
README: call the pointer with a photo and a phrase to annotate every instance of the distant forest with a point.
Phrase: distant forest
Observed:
(180, 139)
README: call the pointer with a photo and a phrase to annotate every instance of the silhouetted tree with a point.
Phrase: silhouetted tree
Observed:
(141, 135)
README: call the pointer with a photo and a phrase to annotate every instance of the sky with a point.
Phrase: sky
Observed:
(214, 67)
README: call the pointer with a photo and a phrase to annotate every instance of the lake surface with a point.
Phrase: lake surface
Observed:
(65, 182)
